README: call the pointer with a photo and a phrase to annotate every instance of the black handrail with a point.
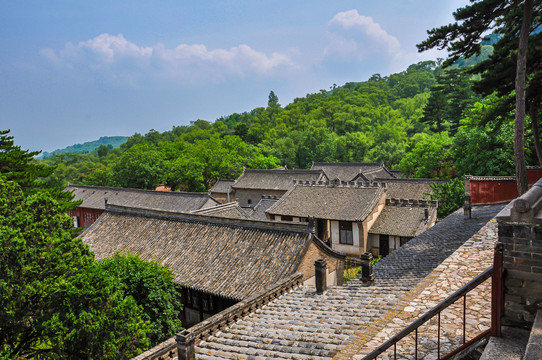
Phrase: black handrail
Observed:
(486, 274)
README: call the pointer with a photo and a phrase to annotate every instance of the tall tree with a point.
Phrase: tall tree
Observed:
(498, 75)
(448, 100)
(18, 165)
(519, 151)
(464, 37)
(55, 302)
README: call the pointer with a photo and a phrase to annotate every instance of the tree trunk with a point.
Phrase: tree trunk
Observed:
(533, 113)
(519, 129)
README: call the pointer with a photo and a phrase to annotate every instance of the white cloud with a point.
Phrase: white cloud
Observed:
(355, 35)
(119, 60)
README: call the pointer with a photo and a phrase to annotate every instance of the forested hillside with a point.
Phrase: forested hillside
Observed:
(88, 147)
(424, 121)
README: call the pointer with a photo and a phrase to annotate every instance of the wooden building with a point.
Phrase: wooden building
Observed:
(400, 221)
(343, 214)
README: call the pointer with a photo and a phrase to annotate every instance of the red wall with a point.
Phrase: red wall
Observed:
(492, 192)
(498, 191)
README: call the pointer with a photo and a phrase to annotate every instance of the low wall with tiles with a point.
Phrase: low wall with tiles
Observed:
(520, 230)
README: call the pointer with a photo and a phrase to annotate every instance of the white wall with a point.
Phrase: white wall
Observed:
(374, 243)
(334, 232)
(353, 249)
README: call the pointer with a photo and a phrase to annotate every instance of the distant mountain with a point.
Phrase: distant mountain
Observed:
(110, 141)
(485, 52)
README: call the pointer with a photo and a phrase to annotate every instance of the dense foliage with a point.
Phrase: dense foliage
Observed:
(151, 286)
(56, 301)
(450, 196)
(514, 65)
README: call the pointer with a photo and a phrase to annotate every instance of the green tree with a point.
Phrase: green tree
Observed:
(464, 38)
(139, 167)
(483, 147)
(450, 196)
(18, 165)
(498, 75)
(273, 101)
(54, 301)
(152, 287)
(428, 157)
(103, 150)
(449, 98)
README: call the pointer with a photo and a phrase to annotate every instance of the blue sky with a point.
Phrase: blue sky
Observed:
(72, 71)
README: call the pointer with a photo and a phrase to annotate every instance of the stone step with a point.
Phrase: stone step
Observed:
(534, 346)
(510, 346)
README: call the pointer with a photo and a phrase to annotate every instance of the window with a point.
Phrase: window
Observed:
(286, 218)
(249, 201)
(345, 233)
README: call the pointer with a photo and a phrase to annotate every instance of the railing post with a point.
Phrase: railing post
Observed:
(186, 345)
(497, 290)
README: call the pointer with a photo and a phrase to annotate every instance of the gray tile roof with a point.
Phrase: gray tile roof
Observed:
(261, 207)
(275, 179)
(328, 202)
(232, 258)
(402, 219)
(222, 186)
(397, 174)
(94, 198)
(303, 325)
(408, 188)
(351, 171)
(229, 210)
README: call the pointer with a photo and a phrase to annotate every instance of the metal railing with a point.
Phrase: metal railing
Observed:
(495, 272)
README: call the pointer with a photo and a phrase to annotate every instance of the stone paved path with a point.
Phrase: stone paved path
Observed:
(467, 262)
(303, 325)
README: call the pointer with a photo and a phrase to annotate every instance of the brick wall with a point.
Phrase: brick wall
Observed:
(314, 253)
(520, 231)
(523, 272)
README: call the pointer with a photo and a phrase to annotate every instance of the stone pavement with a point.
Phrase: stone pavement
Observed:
(467, 262)
(303, 325)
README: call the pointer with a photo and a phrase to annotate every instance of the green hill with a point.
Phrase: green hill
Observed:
(114, 141)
